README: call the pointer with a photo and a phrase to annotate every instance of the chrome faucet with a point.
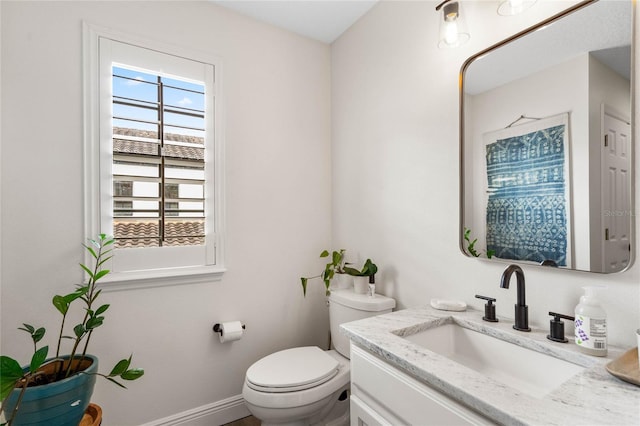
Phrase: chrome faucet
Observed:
(521, 308)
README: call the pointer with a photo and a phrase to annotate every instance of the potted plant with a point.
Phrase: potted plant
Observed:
(364, 277)
(56, 391)
(471, 245)
(334, 269)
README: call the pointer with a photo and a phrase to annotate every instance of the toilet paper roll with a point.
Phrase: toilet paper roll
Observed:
(230, 331)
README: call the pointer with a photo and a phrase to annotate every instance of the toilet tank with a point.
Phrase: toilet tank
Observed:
(345, 306)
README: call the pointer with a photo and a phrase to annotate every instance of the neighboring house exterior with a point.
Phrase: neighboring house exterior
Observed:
(139, 216)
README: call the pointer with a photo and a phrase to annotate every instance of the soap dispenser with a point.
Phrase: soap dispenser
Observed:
(591, 324)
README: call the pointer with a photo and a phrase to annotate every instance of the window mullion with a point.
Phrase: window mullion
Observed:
(162, 159)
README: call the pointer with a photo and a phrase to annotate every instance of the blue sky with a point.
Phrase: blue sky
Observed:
(139, 88)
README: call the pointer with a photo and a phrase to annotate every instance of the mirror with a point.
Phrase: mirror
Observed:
(545, 142)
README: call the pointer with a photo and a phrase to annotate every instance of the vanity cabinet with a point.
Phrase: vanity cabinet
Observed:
(383, 395)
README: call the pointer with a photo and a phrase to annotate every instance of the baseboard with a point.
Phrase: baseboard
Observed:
(216, 413)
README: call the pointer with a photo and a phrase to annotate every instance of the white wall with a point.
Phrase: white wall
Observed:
(277, 116)
(396, 172)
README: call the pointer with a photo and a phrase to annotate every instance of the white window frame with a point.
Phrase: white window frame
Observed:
(151, 266)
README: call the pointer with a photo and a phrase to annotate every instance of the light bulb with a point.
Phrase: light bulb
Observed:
(451, 32)
(516, 6)
(452, 29)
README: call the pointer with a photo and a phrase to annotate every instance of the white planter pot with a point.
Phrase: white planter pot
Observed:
(341, 282)
(361, 285)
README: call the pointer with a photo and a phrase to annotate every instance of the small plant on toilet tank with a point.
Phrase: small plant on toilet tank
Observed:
(368, 270)
(364, 277)
(337, 265)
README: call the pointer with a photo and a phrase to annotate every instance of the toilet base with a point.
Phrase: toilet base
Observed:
(331, 411)
(339, 414)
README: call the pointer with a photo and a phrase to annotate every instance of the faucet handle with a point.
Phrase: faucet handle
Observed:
(489, 308)
(556, 327)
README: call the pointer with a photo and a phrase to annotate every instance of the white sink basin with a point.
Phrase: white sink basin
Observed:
(526, 370)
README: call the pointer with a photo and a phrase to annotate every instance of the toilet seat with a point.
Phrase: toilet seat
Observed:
(292, 370)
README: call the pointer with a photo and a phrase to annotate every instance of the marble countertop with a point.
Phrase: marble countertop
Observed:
(591, 397)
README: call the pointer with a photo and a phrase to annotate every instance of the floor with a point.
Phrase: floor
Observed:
(246, 421)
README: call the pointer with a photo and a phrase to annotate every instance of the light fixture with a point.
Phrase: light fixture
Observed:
(514, 7)
(453, 31)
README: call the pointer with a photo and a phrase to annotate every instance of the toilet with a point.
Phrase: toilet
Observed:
(307, 385)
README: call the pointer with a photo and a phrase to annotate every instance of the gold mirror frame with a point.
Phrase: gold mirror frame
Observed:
(463, 173)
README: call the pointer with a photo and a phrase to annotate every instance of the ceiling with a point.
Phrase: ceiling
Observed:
(322, 20)
(598, 31)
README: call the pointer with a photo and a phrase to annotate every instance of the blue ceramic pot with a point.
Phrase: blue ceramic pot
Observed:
(60, 403)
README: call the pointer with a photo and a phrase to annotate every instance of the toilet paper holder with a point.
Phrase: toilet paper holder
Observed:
(218, 329)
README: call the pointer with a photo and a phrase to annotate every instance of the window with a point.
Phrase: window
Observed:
(153, 158)
(158, 156)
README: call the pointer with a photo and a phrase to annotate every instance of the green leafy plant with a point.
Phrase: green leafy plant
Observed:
(335, 266)
(368, 270)
(471, 245)
(13, 376)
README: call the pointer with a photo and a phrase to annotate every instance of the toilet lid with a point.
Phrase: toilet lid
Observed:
(292, 370)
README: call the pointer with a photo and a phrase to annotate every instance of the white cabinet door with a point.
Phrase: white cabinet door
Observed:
(401, 399)
(363, 415)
